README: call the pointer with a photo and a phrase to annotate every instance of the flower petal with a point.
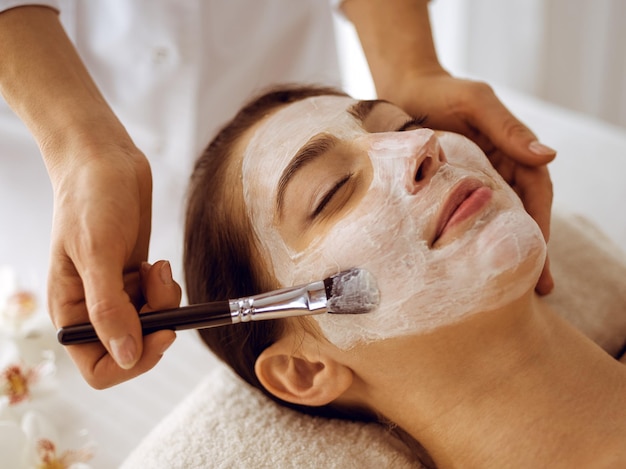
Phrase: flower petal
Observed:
(13, 445)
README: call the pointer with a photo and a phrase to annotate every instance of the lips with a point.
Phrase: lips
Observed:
(467, 198)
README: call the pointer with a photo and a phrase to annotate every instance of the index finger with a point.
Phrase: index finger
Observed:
(112, 312)
(535, 188)
(505, 131)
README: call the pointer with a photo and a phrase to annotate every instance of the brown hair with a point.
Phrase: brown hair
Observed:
(221, 260)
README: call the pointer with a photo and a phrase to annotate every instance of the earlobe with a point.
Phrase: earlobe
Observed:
(298, 378)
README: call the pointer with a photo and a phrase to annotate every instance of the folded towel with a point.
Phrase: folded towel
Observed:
(590, 280)
(225, 423)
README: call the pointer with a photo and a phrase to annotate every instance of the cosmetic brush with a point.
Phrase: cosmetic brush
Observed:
(352, 291)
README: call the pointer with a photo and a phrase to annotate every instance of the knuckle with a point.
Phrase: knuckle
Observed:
(482, 89)
(513, 128)
(473, 98)
(103, 312)
(477, 91)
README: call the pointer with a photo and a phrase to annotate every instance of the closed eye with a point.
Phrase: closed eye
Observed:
(413, 122)
(329, 196)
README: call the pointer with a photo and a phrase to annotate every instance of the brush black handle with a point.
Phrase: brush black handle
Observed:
(187, 317)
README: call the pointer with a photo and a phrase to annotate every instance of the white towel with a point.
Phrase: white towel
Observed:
(590, 280)
(225, 423)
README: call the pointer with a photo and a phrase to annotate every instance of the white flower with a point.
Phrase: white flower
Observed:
(21, 315)
(28, 440)
(33, 443)
(21, 380)
(13, 445)
(27, 359)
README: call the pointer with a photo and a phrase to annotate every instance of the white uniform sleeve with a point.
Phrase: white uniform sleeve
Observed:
(336, 4)
(8, 4)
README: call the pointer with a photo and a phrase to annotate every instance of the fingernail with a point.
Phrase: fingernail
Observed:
(124, 351)
(166, 273)
(540, 149)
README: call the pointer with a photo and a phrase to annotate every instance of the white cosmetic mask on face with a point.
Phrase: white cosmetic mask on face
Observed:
(495, 259)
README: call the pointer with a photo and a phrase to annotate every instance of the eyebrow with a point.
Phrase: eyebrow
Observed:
(361, 109)
(318, 146)
(312, 150)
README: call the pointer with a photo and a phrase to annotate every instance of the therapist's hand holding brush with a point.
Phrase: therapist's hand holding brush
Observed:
(102, 187)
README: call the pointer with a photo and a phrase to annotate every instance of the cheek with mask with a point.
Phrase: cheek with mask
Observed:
(422, 287)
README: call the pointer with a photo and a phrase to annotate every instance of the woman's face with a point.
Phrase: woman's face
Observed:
(331, 183)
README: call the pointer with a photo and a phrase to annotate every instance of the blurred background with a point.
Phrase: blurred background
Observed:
(568, 52)
(559, 65)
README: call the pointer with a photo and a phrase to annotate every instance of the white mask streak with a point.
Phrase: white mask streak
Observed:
(422, 288)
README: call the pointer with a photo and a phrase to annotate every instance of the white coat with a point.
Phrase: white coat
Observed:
(173, 72)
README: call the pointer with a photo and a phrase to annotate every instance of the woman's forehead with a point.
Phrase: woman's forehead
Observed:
(278, 136)
(341, 116)
(326, 112)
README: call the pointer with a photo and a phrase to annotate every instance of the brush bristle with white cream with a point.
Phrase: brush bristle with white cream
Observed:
(352, 291)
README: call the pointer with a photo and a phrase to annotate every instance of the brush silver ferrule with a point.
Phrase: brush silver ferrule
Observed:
(302, 300)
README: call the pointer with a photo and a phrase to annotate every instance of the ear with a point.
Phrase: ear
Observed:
(301, 376)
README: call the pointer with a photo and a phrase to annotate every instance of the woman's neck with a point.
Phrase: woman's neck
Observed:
(514, 388)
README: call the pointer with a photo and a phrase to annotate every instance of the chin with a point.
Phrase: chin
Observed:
(516, 259)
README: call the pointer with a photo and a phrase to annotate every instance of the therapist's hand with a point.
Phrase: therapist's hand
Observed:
(102, 198)
(398, 43)
(100, 235)
(472, 109)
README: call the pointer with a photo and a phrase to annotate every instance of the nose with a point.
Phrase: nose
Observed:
(424, 161)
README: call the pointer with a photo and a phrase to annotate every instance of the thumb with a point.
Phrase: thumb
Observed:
(111, 311)
(510, 135)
